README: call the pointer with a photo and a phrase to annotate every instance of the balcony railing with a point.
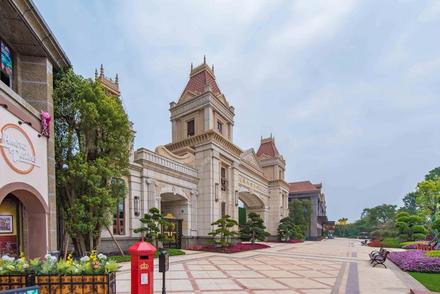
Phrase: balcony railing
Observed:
(147, 155)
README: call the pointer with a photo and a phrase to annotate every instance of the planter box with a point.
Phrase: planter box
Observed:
(55, 284)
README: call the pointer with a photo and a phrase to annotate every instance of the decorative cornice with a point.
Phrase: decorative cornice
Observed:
(207, 98)
(207, 136)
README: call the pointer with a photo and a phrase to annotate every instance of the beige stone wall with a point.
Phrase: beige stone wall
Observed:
(35, 85)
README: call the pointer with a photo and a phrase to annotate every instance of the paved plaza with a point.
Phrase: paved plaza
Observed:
(329, 266)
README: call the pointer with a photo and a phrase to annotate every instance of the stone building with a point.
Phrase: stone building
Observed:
(201, 174)
(312, 192)
(29, 56)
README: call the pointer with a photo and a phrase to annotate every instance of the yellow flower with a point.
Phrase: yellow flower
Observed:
(69, 261)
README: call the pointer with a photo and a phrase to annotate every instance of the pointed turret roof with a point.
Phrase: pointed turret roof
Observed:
(268, 148)
(201, 79)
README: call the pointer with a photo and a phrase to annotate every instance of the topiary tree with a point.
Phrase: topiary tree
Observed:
(254, 229)
(152, 222)
(410, 227)
(285, 229)
(224, 231)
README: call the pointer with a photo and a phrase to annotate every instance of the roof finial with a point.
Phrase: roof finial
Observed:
(204, 59)
(96, 73)
(117, 79)
(212, 68)
(102, 70)
(192, 66)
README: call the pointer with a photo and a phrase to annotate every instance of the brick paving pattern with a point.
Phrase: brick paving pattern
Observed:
(331, 266)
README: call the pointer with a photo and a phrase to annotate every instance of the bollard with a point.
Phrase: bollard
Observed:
(142, 267)
(164, 265)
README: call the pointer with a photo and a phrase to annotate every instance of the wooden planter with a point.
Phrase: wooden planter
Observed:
(55, 284)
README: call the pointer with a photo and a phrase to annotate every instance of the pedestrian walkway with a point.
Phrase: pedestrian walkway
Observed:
(329, 266)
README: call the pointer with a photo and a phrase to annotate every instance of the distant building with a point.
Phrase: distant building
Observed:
(201, 175)
(313, 192)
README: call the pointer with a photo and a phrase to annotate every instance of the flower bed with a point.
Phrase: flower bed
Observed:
(415, 261)
(234, 248)
(375, 243)
(90, 274)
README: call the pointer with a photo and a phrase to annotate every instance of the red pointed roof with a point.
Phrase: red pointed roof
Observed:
(268, 148)
(304, 187)
(201, 77)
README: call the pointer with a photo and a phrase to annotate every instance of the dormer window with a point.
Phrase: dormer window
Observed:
(190, 128)
(5, 64)
(220, 127)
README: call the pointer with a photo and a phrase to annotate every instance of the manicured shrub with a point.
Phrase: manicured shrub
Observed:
(391, 243)
(418, 236)
(230, 248)
(415, 261)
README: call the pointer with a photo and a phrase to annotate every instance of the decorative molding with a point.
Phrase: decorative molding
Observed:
(145, 155)
(208, 136)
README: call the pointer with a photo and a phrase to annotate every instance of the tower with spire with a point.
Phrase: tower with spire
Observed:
(201, 107)
(111, 87)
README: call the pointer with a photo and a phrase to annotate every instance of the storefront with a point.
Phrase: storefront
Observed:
(23, 187)
(29, 56)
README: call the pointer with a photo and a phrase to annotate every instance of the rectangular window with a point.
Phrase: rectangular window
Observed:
(220, 127)
(223, 179)
(119, 219)
(5, 64)
(190, 128)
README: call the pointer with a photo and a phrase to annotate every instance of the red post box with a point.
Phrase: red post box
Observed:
(142, 267)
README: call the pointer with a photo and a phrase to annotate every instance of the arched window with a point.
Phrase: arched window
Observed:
(118, 189)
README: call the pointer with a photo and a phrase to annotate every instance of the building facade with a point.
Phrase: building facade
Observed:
(312, 192)
(201, 174)
(29, 56)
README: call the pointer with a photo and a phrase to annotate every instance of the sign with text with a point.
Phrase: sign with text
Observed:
(17, 149)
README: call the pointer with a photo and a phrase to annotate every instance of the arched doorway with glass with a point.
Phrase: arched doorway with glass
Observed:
(23, 219)
(176, 210)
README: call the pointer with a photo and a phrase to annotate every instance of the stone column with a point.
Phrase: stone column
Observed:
(35, 85)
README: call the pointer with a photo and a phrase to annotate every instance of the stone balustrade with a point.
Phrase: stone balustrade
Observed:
(147, 155)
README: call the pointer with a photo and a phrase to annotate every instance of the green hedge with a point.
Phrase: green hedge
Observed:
(126, 258)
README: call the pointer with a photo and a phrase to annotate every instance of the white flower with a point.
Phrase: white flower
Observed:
(102, 256)
(84, 258)
(8, 258)
(25, 265)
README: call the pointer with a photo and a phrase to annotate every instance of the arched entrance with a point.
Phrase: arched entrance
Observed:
(175, 208)
(250, 202)
(29, 226)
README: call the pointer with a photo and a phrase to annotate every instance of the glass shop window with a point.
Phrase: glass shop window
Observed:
(5, 64)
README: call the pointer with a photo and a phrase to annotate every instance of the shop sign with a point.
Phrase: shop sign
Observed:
(17, 149)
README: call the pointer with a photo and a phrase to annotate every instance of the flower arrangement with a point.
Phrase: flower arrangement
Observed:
(415, 261)
(375, 243)
(233, 248)
(90, 264)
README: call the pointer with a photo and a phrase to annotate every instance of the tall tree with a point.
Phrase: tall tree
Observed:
(433, 174)
(93, 138)
(409, 202)
(300, 211)
(379, 215)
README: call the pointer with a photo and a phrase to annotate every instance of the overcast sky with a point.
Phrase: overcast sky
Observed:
(349, 89)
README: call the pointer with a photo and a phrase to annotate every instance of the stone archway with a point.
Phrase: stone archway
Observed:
(253, 203)
(34, 217)
(176, 206)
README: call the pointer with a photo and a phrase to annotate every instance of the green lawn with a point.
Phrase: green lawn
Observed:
(126, 258)
(429, 280)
